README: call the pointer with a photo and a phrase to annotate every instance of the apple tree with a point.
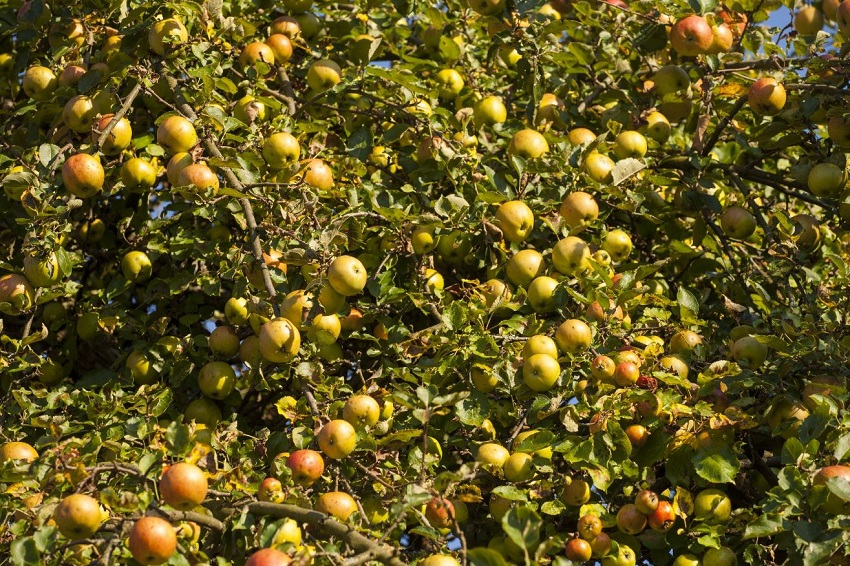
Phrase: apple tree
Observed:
(487, 282)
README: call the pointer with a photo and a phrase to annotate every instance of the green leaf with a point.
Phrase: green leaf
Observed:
(47, 152)
(24, 552)
(533, 442)
(522, 524)
(765, 526)
(716, 465)
(485, 557)
(839, 487)
(473, 410)
(687, 300)
(842, 446)
(510, 492)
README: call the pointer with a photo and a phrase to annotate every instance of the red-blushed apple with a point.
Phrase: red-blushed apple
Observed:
(337, 504)
(766, 97)
(183, 486)
(152, 540)
(307, 466)
(337, 439)
(268, 557)
(691, 36)
(630, 520)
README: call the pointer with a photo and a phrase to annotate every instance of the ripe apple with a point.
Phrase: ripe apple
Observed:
(722, 40)
(442, 559)
(176, 134)
(279, 340)
(603, 368)
(199, 176)
(136, 266)
(489, 111)
(268, 557)
(39, 82)
(618, 244)
(224, 342)
(630, 520)
(347, 275)
(712, 506)
(318, 174)
(541, 294)
(423, 240)
(646, 501)
(540, 344)
(492, 456)
(630, 143)
(140, 368)
(336, 504)
(78, 516)
(519, 467)
(838, 127)
(663, 517)
(307, 466)
(204, 411)
(71, 75)
(324, 329)
(625, 557)
(296, 306)
(286, 25)
(217, 380)
(83, 175)
(674, 365)
(440, 513)
(834, 504)
(337, 439)
(540, 372)
(830, 9)
(255, 52)
(570, 256)
(578, 550)
(827, 180)
(598, 167)
(576, 493)
(176, 164)
(626, 374)
(138, 174)
(684, 342)
(579, 136)
(824, 385)
(166, 35)
(236, 310)
(515, 219)
(737, 222)
(549, 109)
(528, 144)
(250, 110)
(579, 210)
(524, 266)
(361, 411)
(766, 97)
(737, 22)
(573, 336)
(183, 486)
(449, 83)
(749, 352)
(691, 36)
(600, 546)
(589, 526)
(152, 540)
(686, 560)
(281, 47)
(323, 75)
(118, 139)
(784, 409)
(17, 452)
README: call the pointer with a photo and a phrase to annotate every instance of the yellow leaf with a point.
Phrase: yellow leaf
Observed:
(683, 503)
(730, 90)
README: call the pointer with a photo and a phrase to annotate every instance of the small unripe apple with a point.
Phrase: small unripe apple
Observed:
(281, 150)
(489, 111)
(738, 222)
(827, 180)
(323, 75)
(39, 82)
(449, 83)
(138, 174)
(136, 266)
(630, 143)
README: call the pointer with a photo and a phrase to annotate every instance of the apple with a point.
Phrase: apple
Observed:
(136, 266)
(691, 36)
(625, 557)
(519, 467)
(712, 507)
(603, 368)
(722, 40)
(484, 381)
(576, 493)
(224, 342)
(674, 365)
(573, 336)
(487, 7)
(217, 380)
(42, 271)
(830, 9)
(268, 557)
(279, 340)
(578, 550)
(843, 19)
(723, 556)
(618, 244)
(198, 176)
(663, 517)
(318, 174)
(17, 452)
(71, 75)
(549, 109)
(579, 210)
(78, 516)
(176, 134)
(749, 352)
(626, 374)
(540, 344)
(296, 306)
(281, 47)
(336, 504)
(838, 127)
(528, 144)
(255, 52)
(630, 143)
(443, 559)
(286, 25)
(545, 452)
(152, 540)
(598, 167)
(307, 466)
(423, 240)
(489, 111)
(686, 560)
(516, 220)
(138, 174)
(736, 21)
(684, 342)
(492, 456)
(834, 504)
(183, 486)
(540, 372)
(784, 409)
(580, 136)
(524, 266)
(236, 310)
(176, 164)
(83, 175)
(630, 520)
(204, 411)
(361, 411)
(670, 79)
(118, 139)
(166, 35)
(39, 83)
(589, 526)
(325, 329)
(646, 501)
(440, 513)
(766, 97)
(827, 180)
(658, 127)
(449, 83)
(347, 275)
(541, 294)
(825, 386)
(600, 546)
(737, 222)
(337, 439)
(570, 256)
(140, 368)
(323, 75)
(495, 289)
(250, 110)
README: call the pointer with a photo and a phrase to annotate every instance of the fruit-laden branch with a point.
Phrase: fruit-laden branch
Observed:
(175, 516)
(322, 522)
(256, 245)
(128, 103)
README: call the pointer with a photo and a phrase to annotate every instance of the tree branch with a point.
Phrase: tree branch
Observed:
(128, 103)
(715, 135)
(203, 520)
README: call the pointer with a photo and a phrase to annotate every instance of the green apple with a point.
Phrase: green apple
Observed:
(516, 220)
